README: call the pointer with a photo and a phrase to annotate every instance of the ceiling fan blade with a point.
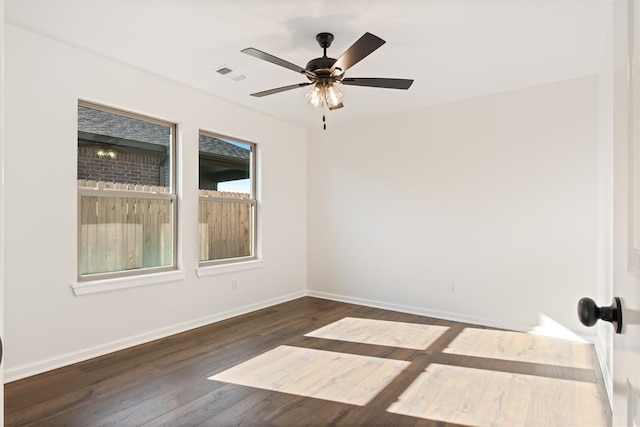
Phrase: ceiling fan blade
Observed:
(378, 82)
(280, 89)
(357, 52)
(275, 60)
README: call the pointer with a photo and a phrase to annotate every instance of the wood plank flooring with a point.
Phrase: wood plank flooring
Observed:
(313, 362)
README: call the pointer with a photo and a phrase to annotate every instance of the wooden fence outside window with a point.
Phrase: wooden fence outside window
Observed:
(128, 226)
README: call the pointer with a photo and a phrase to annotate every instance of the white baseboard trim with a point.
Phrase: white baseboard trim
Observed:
(421, 311)
(25, 371)
(604, 368)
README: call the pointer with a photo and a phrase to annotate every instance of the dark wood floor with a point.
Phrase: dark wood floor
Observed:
(165, 382)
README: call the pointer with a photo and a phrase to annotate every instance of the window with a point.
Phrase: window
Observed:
(227, 209)
(126, 193)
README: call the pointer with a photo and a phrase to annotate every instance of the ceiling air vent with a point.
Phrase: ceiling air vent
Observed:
(227, 71)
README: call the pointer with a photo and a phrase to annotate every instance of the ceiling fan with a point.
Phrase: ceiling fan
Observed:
(323, 73)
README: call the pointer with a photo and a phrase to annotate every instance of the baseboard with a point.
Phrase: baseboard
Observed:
(580, 336)
(421, 311)
(604, 368)
(25, 371)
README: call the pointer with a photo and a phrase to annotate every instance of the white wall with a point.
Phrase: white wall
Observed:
(46, 325)
(495, 194)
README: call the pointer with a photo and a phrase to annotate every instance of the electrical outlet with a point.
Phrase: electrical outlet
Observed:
(234, 285)
(452, 287)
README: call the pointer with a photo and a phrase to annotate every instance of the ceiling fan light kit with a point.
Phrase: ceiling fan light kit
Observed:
(328, 94)
(325, 73)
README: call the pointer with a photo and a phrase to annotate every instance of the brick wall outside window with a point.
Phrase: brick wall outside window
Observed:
(126, 168)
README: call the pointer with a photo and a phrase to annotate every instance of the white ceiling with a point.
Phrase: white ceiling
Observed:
(453, 49)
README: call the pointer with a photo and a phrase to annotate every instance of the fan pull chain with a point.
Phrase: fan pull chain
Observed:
(324, 119)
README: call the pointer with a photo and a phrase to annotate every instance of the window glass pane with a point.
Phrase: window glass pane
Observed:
(227, 228)
(127, 150)
(122, 233)
(127, 208)
(224, 165)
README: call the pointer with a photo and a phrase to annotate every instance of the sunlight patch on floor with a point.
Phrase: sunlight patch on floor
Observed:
(320, 374)
(521, 347)
(551, 328)
(381, 332)
(482, 398)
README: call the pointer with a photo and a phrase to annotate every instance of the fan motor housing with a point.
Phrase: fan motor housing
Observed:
(320, 65)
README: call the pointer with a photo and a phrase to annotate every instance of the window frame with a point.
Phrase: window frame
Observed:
(172, 195)
(252, 201)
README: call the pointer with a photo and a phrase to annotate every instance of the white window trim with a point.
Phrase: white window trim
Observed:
(214, 270)
(221, 266)
(113, 280)
(113, 284)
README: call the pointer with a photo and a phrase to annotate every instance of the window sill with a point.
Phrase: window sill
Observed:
(212, 270)
(92, 287)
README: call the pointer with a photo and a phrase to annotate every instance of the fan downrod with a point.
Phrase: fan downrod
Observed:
(321, 66)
